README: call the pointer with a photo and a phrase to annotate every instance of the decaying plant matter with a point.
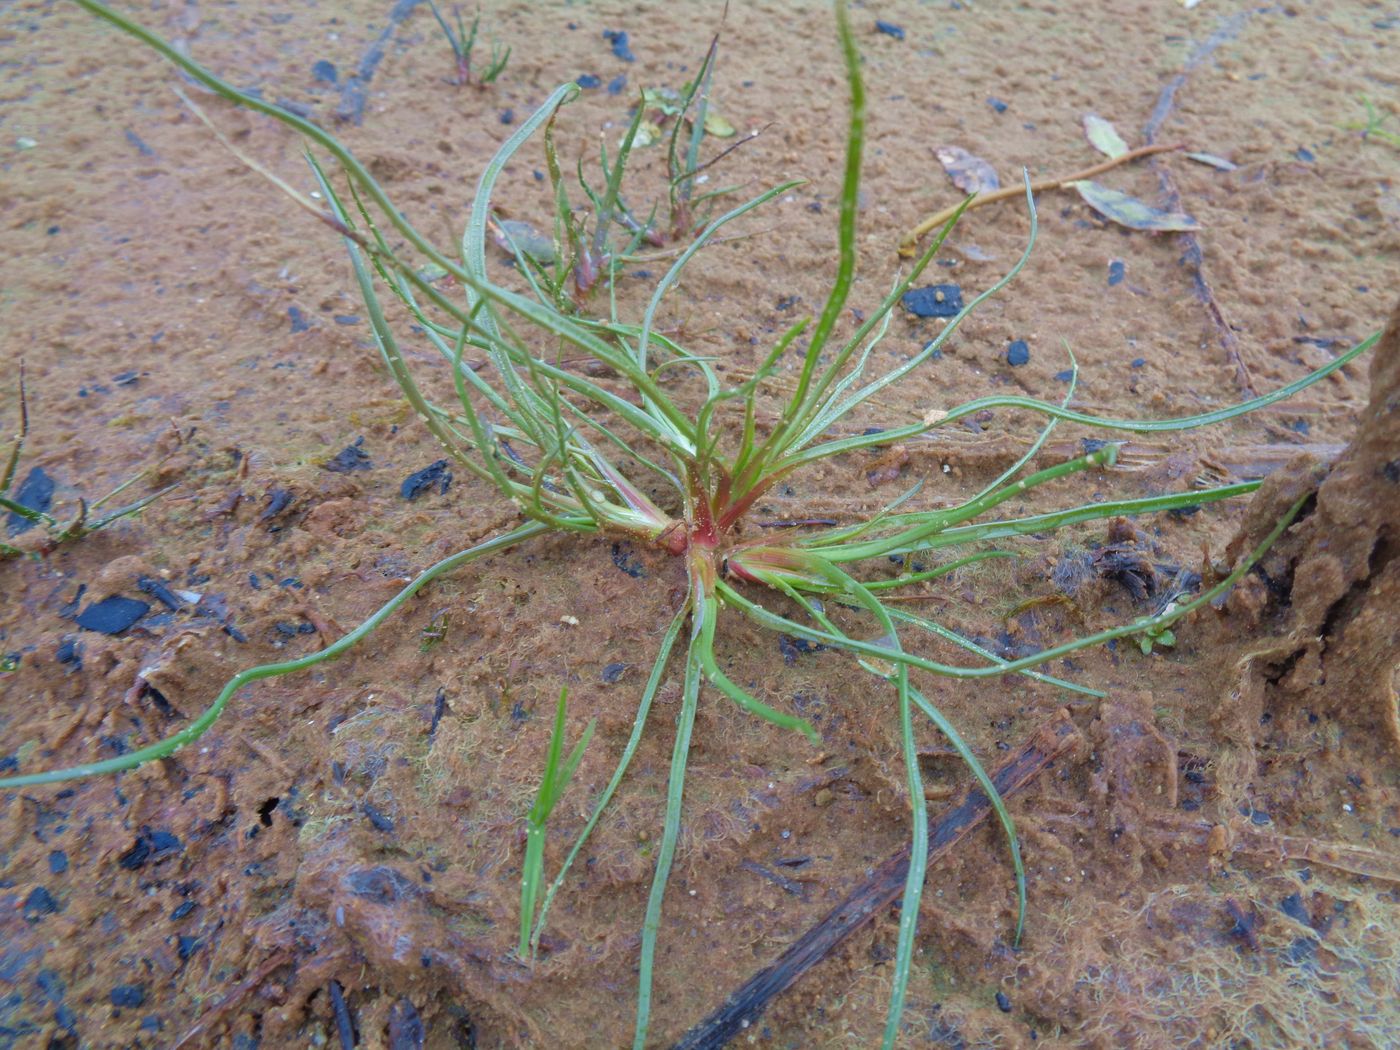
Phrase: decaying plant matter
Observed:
(570, 449)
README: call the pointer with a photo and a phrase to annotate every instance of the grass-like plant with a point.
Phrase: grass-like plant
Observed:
(570, 451)
(52, 531)
(558, 771)
(463, 41)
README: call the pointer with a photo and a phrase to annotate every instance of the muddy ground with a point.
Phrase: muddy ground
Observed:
(1215, 865)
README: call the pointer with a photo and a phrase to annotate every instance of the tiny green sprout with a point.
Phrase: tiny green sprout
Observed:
(1374, 125)
(462, 40)
(1159, 629)
(555, 782)
(436, 630)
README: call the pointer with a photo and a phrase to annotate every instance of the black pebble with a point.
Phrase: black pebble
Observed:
(587, 80)
(625, 559)
(1138, 362)
(51, 984)
(613, 672)
(299, 321)
(889, 29)
(324, 72)
(39, 903)
(126, 378)
(617, 85)
(70, 652)
(186, 946)
(58, 862)
(149, 846)
(132, 995)
(278, 500)
(421, 481)
(997, 104)
(159, 591)
(346, 320)
(406, 1030)
(1116, 270)
(937, 300)
(507, 116)
(620, 48)
(1003, 1002)
(349, 459)
(181, 910)
(1018, 353)
(379, 821)
(35, 493)
(1304, 154)
(112, 615)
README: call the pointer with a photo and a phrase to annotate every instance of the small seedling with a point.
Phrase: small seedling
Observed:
(463, 41)
(680, 467)
(1374, 127)
(53, 532)
(552, 787)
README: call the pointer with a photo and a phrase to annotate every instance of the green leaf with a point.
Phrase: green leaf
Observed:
(717, 126)
(648, 134)
(1118, 207)
(1103, 137)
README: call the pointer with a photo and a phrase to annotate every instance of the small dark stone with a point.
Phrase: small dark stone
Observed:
(39, 903)
(51, 984)
(406, 1030)
(346, 320)
(625, 558)
(1018, 353)
(998, 105)
(377, 819)
(1091, 445)
(349, 459)
(186, 946)
(130, 995)
(1392, 471)
(112, 615)
(620, 48)
(1065, 376)
(587, 81)
(149, 846)
(613, 672)
(278, 500)
(1304, 154)
(617, 85)
(937, 300)
(298, 319)
(787, 302)
(70, 651)
(182, 909)
(1003, 1002)
(889, 29)
(34, 493)
(1116, 271)
(159, 591)
(506, 116)
(1137, 362)
(58, 862)
(420, 482)
(126, 378)
(324, 72)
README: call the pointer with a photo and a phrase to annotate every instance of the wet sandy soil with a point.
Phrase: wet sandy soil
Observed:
(1214, 865)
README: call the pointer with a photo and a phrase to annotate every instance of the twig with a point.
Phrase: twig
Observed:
(1193, 256)
(344, 1026)
(875, 894)
(906, 245)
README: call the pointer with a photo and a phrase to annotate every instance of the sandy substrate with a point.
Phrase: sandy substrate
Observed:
(1213, 865)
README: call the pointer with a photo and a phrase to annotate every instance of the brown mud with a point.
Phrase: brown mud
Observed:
(1216, 867)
